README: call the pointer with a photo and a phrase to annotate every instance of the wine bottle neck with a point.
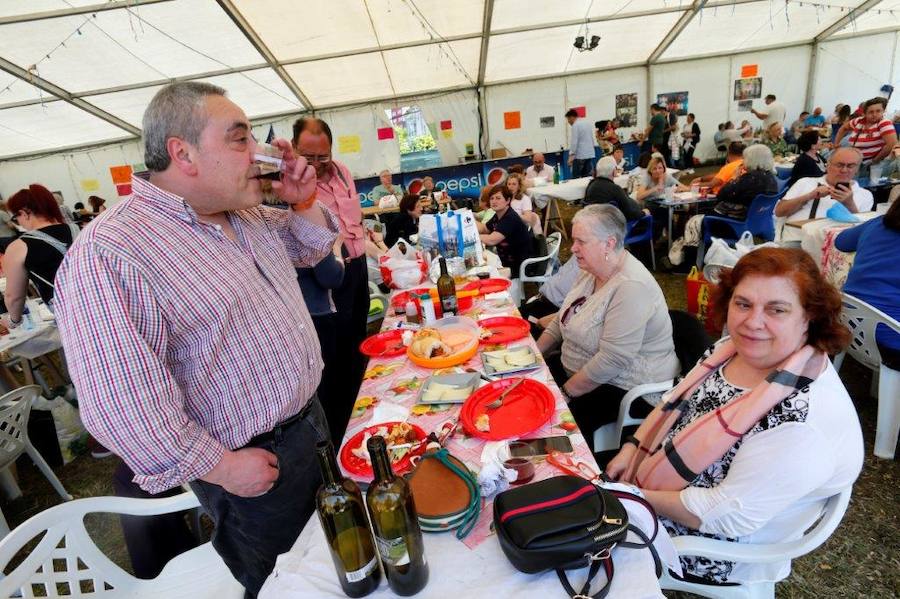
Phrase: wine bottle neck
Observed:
(331, 473)
(443, 267)
(381, 466)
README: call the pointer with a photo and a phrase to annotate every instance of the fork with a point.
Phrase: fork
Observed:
(499, 401)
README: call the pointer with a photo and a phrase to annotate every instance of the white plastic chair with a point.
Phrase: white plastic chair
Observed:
(15, 408)
(516, 291)
(862, 320)
(608, 436)
(67, 563)
(832, 513)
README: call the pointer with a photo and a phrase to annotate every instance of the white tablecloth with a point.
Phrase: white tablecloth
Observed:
(569, 191)
(573, 189)
(307, 571)
(813, 233)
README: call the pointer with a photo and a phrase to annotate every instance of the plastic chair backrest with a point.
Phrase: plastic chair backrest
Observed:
(553, 242)
(67, 557)
(645, 233)
(761, 216)
(862, 320)
(15, 408)
(689, 337)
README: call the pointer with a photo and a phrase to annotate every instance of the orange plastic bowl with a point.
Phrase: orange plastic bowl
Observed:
(463, 354)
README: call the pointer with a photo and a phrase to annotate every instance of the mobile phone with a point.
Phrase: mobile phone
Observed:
(841, 186)
(543, 446)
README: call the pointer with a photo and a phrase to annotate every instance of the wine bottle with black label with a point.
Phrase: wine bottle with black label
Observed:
(446, 288)
(396, 526)
(343, 516)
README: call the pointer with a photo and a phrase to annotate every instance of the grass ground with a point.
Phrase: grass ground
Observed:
(861, 559)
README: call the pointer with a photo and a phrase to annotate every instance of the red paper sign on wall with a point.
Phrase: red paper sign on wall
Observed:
(385, 133)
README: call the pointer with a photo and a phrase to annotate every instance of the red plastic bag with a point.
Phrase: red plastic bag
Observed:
(402, 269)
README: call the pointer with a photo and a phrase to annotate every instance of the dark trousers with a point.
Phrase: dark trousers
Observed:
(351, 300)
(687, 157)
(151, 540)
(889, 357)
(336, 411)
(250, 532)
(598, 407)
(581, 167)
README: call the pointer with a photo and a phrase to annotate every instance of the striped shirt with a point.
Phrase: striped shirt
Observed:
(181, 342)
(869, 139)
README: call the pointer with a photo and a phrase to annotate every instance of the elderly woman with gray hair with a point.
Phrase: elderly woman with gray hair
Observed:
(613, 328)
(755, 176)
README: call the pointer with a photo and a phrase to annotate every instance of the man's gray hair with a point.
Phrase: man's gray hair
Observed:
(177, 110)
(759, 158)
(604, 220)
(606, 167)
(856, 151)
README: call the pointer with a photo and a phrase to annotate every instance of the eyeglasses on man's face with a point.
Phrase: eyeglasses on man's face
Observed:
(845, 166)
(322, 158)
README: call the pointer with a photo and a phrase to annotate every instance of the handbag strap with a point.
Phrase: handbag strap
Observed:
(814, 208)
(474, 508)
(607, 564)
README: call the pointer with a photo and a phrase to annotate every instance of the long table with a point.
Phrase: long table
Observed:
(476, 565)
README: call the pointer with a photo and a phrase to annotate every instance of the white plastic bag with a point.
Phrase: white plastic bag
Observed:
(70, 432)
(402, 266)
(388, 202)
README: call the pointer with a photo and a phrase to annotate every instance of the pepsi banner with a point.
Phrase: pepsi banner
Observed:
(462, 180)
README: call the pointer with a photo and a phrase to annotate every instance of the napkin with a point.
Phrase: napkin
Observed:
(840, 213)
(493, 477)
(388, 411)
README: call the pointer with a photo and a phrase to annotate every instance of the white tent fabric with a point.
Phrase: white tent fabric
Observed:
(80, 72)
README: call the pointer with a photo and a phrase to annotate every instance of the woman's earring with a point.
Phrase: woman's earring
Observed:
(606, 257)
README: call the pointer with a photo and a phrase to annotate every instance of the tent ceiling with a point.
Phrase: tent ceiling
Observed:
(100, 61)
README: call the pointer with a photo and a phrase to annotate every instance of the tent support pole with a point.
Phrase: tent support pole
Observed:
(811, 80)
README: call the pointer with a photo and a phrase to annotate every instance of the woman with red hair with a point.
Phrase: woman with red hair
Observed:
(37, 254)
(750, 444)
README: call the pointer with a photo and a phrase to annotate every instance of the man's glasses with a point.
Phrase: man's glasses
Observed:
(324, 158)
(845, 166)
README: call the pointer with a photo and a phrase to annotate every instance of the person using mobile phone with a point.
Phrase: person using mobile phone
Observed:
(811, 197)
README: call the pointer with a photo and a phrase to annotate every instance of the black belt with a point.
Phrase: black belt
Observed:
(278, 430)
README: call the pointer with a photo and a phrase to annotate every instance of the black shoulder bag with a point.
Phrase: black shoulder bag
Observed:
(564, 523)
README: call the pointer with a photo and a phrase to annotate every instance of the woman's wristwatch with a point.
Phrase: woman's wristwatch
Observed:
(562, 389)
(14, 324)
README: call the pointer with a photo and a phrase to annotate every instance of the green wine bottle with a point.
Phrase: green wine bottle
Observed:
(396, 525)
(446, 288)
(343, 516)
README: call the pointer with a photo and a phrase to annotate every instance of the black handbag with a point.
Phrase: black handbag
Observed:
(563, 523)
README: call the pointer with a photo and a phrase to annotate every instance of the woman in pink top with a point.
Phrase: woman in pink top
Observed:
(871, 134)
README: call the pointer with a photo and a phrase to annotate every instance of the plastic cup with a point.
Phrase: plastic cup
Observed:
(522, 464)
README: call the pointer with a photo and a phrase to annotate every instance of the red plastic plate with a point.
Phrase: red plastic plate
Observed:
(504, 329)
(526, 408)
(384, 345)
(398, 301)
(486, 286)
(360, 467)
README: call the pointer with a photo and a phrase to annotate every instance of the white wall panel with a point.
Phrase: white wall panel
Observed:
(842, 77)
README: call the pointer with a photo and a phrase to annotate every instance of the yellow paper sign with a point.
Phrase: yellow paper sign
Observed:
(90, 185)
(447, 133)
(349, 144)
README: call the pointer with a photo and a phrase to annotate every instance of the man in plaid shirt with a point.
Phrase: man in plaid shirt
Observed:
(187, 337)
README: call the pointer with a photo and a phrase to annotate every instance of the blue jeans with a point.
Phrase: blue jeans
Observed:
(581, 167)
(250, 532)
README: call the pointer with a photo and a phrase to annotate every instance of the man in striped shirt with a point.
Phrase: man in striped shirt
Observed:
(186, 334)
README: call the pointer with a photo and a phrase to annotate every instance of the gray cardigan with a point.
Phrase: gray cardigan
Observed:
(622, 334)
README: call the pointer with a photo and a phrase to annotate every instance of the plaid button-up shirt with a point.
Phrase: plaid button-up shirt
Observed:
(182, 342)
